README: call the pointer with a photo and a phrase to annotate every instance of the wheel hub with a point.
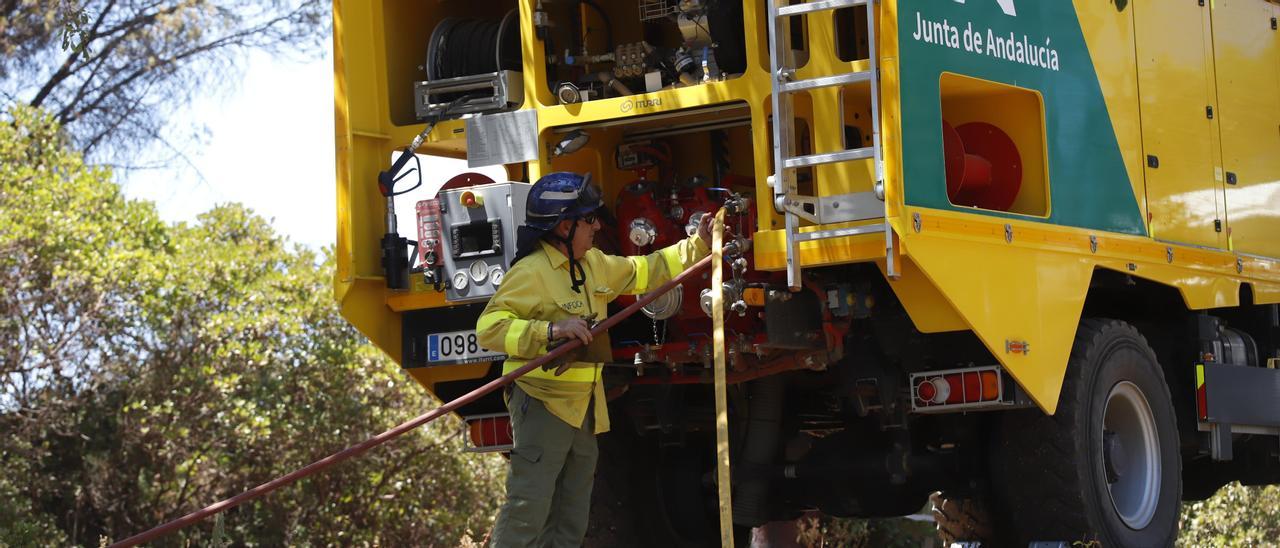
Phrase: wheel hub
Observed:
(1113, 456)
(1131, 455)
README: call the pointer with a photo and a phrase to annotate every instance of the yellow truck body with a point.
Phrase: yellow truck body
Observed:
(1147, 135)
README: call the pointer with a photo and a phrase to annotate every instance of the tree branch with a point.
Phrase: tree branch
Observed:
(65, 71)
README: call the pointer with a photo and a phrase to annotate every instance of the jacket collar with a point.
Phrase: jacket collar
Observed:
(554, 256)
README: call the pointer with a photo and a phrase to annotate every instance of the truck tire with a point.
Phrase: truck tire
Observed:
(1106, 466)
(960, 519)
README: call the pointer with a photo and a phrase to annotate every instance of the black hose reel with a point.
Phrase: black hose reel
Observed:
(462, 46)
(475, 60)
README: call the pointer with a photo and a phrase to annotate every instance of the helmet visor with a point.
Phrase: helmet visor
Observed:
(589, 200)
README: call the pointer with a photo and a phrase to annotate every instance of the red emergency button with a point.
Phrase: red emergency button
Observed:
(470, 199)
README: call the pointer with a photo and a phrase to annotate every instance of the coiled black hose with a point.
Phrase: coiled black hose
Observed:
(466, 47)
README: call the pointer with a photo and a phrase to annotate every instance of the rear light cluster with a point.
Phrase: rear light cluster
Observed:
(490, 433)
(958, 389)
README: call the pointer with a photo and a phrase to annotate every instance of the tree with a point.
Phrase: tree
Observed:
(1235, 516)
(148, 369)
(113, 71)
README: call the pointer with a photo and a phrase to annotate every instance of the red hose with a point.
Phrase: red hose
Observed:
(429, 416)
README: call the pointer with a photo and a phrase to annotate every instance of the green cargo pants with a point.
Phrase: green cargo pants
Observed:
(549, 480)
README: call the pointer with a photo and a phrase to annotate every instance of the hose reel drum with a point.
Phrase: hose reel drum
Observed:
(475, 62)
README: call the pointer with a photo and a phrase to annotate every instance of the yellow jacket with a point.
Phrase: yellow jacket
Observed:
(536, 292)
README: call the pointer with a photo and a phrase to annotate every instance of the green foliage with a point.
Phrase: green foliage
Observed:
(1235, 516)
(149, 369)
(820, 531)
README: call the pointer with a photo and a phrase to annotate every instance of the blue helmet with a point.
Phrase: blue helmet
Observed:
(559, 196)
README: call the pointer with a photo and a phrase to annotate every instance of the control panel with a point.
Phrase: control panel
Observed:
(470, 234)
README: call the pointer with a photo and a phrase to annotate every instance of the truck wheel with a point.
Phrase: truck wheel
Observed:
(1106, 466)
(960, 519)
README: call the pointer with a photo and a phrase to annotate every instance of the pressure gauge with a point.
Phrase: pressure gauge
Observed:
(479, 271)
(460, 281)
(495, 276)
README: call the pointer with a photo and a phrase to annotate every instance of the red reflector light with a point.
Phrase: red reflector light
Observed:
(490, 431)
(972, 387)
(926, 391)
(933, 391)
(958, 387)
(990, 385)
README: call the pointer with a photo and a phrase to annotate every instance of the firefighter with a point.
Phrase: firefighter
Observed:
(557, 282)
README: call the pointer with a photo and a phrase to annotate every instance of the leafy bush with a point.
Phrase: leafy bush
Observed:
(1235, 516)
(148, 369)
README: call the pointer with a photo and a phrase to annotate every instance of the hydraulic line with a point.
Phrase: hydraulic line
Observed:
(429, 416)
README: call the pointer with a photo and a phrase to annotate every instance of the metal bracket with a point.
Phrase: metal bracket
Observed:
(1220, 441)
(505, 89)
(856, 206)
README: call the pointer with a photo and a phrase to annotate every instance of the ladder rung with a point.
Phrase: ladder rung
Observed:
(839, 232)
(829, 157)
(826, 81)
(818, 5)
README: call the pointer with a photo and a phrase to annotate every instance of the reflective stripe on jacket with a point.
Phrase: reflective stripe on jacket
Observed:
(536, 291)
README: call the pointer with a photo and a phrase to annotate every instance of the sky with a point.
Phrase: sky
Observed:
(270, 146)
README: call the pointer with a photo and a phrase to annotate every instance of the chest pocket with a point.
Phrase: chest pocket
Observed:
(601, 296)
(575, 305)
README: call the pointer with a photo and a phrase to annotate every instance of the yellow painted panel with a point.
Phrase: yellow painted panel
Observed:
(1266, 293)
(1199, 290)
(342, 155)
(1247, 59)
(891, 113)
(928, 308)
(1108, 32)
(364, 306)
(1175, 81)
(429, 376)
(1042, 308)
(770, 248)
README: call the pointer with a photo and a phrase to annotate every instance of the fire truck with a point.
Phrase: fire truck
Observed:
(1024, 254)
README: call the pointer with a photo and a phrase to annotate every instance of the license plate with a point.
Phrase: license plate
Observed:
(458, 347)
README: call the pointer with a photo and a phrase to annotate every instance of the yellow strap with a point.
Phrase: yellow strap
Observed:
(514, 331)
(672, 256)
(642, 274)
(721, 382)
(486, 321)
(574, 374)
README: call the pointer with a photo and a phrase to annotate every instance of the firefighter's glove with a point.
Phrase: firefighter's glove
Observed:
(564, 331)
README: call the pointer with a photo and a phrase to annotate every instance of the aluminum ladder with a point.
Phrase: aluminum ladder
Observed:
(787, 199)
